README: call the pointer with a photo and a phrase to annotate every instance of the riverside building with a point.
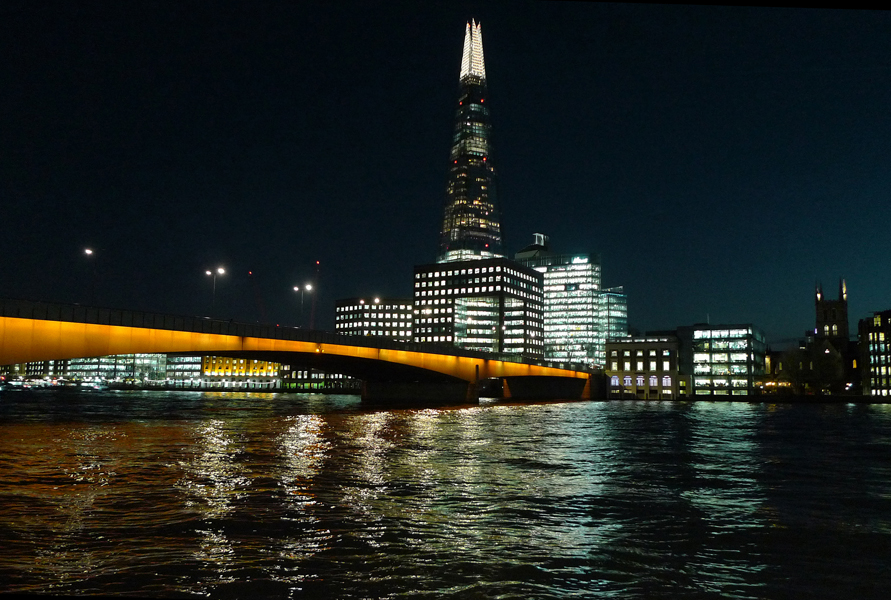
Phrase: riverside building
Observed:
(473, 297)
(875, 348)
(723, 360)
(391, 318)
(645, 367)
(572, 317)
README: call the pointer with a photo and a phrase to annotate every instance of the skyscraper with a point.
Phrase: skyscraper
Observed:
(479, 300)
(471, 225)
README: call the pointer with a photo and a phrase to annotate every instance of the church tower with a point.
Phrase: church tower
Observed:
(832, 315)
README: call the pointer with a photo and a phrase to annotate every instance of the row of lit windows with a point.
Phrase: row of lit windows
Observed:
(720, 333)
(366, 307)
(666, 365)
(640, 379)
(719, 382)
(650, 352)
(720, 357)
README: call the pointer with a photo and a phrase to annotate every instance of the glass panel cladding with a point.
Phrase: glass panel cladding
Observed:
(574, 328)
(471, 226)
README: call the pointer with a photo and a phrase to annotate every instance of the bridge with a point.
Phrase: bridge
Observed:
(391, 371)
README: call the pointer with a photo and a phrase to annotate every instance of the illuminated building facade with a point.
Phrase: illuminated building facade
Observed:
(614, 311)
(491, 305)
(117, 368)
(471, 226)
(184, 371)
(226, 372)
(875, 348)
(572, 318)
(722, 360)
(390, 318)
(646, 367)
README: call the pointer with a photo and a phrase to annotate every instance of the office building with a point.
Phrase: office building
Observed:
(390, 318)
(875, 354)
(471, 226)
(142, 367)
(614, 311)
(723, 360)
(227, 372)
(572, 318)
(491, 305)
(645, 367)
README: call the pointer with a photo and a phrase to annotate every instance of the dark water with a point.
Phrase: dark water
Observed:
(171, 494)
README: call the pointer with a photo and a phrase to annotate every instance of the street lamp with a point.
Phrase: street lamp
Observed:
(305, 288)
(213, 297)
(89, 253)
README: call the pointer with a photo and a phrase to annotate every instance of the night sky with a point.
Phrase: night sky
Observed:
(720, 159)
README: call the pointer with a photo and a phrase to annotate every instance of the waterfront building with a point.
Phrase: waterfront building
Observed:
(473, 297)
(614, 311)
(645, 367)
(491, 305)
(49, 369)
(572, 317)
(391, 318)
(303, 379)
(471, 226)
(152, 367)
(722, 359)
(184, 371)
(227, 372)
(875, 348)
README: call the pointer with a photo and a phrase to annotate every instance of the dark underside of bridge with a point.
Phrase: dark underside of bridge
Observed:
(393, 383)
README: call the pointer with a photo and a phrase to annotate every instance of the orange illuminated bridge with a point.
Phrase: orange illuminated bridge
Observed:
(390, 371)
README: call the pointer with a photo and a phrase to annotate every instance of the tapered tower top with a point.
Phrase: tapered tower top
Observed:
(473, 63)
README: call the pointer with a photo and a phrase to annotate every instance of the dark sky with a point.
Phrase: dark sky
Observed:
(721, 159)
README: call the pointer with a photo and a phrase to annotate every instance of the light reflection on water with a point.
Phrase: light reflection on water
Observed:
(276, 495)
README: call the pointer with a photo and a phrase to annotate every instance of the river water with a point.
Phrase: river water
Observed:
(236, 495)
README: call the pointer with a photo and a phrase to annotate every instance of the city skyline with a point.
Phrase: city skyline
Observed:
(720, 160)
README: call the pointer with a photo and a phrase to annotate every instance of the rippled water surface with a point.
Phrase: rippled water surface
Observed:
(178, 494)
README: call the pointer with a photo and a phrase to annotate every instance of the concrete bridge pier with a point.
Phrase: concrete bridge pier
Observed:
(420, 393)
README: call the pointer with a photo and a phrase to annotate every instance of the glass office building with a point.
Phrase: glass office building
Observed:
(471, 226)
(614, 312)
(875, 347)
(573, 331)
(722, 360)
(491, 305)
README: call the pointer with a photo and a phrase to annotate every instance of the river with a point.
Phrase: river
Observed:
(239, 495)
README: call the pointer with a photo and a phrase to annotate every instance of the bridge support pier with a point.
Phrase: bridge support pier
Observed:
(420, 393)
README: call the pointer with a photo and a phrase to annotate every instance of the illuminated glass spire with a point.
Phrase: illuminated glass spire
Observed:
(471, 226)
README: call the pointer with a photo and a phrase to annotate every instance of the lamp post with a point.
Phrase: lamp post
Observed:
(305, 288)
(213, 297)
(89, 253)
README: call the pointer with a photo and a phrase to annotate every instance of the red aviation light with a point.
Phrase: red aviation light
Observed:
(482, 100)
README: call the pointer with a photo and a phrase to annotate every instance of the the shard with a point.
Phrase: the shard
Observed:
(471, 226)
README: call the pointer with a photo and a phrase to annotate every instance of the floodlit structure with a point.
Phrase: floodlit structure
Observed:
(572, 319)
(724, 360)
(390, 318)
(471, 226)
(492, 305)
(875, 347)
